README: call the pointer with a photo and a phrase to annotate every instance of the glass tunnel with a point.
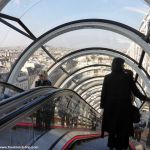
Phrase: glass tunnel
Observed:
(75, 43)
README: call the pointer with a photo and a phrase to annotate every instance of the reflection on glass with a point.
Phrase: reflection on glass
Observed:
(141, 138)
(145, 63)
(134, 51)
(61, 13)
(142, 83)
(12, 44)
(29, 72)
(83, 61)
(55, 75)
(60, 111)
(86, 38)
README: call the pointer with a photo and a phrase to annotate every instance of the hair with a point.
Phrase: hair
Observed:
(44, 73)
(117, 64)
(129, 72)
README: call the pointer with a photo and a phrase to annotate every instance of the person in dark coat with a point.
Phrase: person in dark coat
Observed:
(43, 114)
(117, 90)
(43, 79)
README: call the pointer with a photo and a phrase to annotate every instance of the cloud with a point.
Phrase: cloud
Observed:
(17, 2)
(138, 10)
(122, 40)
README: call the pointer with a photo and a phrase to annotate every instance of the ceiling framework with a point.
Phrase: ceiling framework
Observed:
(91, 86)
(95, 51)
(148, 2)
(61, 83)
(113, 26)
(94, 100)
(86, 82)
(103, 51)
(3, 3)
(92, 95)
(90, 89)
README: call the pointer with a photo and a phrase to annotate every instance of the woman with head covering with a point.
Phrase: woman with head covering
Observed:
(116, 101)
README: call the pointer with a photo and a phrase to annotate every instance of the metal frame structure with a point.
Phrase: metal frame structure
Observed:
(80, 71)
(87, 81)
(28, 33)
(89, 99)
(3, 3)
(148, 2)
(93, 92)
(104, 51)
(90, 85)
(90, 89)
(98, 51)
(113, 26)
(103, 24)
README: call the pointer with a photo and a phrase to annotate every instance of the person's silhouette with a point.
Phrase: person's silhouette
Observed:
(117, 90)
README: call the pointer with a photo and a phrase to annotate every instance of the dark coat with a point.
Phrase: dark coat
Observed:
(116, 101)
(43, 83)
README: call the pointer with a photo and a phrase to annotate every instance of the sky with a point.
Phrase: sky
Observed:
(42, 15)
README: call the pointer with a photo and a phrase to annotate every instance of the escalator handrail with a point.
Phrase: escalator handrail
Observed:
(11, 86)
(15, 97)
(24, 94)
(29, 108)
(14, 102)
(86, 102)
(24, 108)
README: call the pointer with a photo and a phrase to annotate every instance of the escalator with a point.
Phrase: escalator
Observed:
(28, 117)
(51, 118)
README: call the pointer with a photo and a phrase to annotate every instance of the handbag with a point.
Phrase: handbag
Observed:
(135, 114)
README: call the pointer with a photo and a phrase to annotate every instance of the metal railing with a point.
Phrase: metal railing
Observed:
(18, 117)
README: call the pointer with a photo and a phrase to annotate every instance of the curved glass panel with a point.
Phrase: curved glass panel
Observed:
(88, 75)
(87, 84)
(56, 75)
(93, 95)
(83, 61)
(29, 72)
(134, 51)
(17, 8)
(90, 91)
(145, 63)
(85, 72)
(83, 38)
(59, 12)
(70, 84)
(15, 24)
(8, 90)
(42, 15)
(10, 48)
(61, 110)
(79, 34)
(141, 82)
(143, 42)
(11, 38)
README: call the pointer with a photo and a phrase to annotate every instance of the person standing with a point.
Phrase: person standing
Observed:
(116, 103)
(43, 79)
(43, 115)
